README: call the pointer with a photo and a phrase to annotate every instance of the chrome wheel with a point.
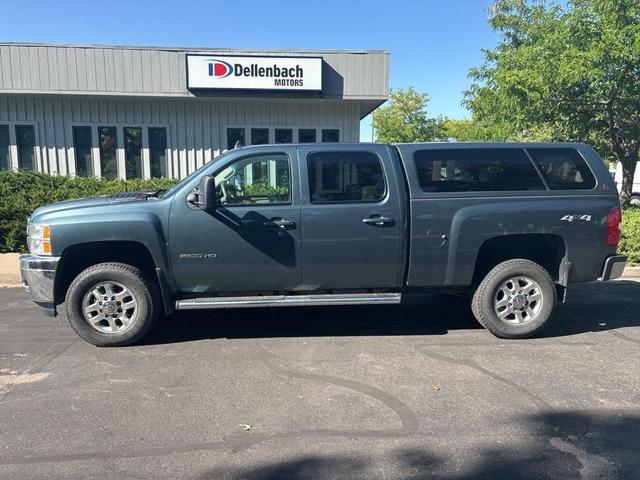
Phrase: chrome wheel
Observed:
(518, 300)
(110, 307)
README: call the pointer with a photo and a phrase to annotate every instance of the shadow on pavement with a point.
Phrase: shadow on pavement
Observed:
(564, 445)
(590, 307)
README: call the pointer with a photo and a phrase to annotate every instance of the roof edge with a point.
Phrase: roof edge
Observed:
(189, 49)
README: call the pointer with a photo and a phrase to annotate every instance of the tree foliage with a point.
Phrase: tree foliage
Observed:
(571, 72)
(404, 119)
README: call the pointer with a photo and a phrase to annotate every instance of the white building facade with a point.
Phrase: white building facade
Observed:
(130, 112)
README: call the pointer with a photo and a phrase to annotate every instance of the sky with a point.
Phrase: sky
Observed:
(432, 43)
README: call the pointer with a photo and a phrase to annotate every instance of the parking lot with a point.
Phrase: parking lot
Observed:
(416, 391)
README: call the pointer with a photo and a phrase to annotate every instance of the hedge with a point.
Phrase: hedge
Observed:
(630, 241)
(22, 192)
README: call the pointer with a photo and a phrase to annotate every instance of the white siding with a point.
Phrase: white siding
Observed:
(196, 127)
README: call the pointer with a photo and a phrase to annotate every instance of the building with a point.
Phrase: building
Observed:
(128, 112)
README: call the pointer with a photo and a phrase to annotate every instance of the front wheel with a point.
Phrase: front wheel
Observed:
(515, 300)
(111, 304)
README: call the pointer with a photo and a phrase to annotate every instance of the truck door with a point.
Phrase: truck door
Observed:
(353, 222)
(251, 242)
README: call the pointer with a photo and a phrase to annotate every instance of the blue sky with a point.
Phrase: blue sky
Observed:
(432, 43)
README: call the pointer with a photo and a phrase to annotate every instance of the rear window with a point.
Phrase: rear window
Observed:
(563, 168)
(476, 170)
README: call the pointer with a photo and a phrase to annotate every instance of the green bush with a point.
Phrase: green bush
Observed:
(22, 192)
(630, 241)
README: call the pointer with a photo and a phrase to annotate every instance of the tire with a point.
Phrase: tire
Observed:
(121, 304)
(500, 307)
(635, 199)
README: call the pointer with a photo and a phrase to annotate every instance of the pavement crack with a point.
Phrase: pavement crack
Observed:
(466, 362)
(408, 419)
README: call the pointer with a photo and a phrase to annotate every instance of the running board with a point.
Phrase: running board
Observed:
(289, 300)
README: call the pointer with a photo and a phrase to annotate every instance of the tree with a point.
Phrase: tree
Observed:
(404, 119)
(570, 71)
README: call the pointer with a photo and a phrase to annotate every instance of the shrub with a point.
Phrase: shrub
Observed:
(22, 192)
(630, 241)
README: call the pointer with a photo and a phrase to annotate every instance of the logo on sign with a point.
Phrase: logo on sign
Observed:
(220, 69)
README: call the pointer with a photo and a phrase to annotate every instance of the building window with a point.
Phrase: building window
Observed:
(108, 138)
(346, 176)
(5, 163)
(158, 151)
(259, 136)
(238, 184)
(330, 135)
(235, 138)
(306, 135)
(133, 152)
(284, 135)
(82, 147)
(26, 142)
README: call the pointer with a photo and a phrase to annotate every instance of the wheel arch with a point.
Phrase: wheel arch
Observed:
(548, 250)
(75, 258)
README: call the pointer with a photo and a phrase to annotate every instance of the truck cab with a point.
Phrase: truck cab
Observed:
(340, 224)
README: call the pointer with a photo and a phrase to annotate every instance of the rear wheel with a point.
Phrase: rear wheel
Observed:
(111, 304)
(515, 300)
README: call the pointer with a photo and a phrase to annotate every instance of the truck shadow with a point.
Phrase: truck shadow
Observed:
(568, 444)
(590, 308)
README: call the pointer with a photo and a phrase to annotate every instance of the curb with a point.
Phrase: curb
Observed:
(10, 271)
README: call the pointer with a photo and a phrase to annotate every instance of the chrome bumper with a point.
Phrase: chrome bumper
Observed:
(38, 275)
(613, 268)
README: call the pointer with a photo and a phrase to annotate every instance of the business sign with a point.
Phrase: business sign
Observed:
(213, 72)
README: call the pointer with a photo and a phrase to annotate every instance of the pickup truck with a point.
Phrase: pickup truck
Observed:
(511, 225)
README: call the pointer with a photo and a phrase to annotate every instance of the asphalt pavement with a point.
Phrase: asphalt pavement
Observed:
(392, 392)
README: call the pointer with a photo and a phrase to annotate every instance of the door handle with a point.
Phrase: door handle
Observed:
(280, 223)
(377, 220)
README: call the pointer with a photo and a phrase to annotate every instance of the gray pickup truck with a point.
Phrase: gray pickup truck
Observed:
(334, 224)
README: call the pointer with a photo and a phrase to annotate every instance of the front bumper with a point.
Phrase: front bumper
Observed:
(613, 267)
(38, 275)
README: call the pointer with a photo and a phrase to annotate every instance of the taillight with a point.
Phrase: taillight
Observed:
(614, 218)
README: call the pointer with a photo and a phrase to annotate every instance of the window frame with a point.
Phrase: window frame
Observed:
(8, 151)
(13, 145)
(120, 153)
(295, 128)
(385, 176)
(253, 155)
(72, 149)
(146, 147)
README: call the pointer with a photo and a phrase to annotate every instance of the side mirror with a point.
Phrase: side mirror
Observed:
(205, 196)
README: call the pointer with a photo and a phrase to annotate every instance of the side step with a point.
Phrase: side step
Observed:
(289, 300)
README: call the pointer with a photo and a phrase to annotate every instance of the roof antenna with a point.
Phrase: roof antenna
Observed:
(238, 144)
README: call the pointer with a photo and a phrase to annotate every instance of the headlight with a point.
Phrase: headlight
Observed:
(39, 239)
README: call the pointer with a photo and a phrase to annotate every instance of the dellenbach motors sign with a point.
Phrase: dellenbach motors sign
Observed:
(254, 73)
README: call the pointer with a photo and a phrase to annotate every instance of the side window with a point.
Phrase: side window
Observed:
(82, 147)
(563, 168)
(158, 151)
(235, 138)
(476, 170)
(5, 162)
(108, 142)
(26, 142)
(261, 179)
(346, 176)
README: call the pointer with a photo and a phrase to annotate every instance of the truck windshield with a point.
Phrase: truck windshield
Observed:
(187, 179)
